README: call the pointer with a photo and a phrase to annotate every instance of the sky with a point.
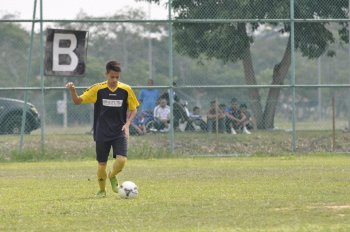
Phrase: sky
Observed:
(68, 9)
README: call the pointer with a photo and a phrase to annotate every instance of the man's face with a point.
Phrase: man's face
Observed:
(150, 82)
(162, 103)
(113, 77)
(234, 105)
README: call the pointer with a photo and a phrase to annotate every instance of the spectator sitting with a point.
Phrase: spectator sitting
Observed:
(161, 116)
(196, 121)
(235, 118)
(180, 114)
(138, 126)
(215, 116)
(249, 123)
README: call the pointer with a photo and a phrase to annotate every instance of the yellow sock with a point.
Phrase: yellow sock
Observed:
(118, 165)
(102, 176)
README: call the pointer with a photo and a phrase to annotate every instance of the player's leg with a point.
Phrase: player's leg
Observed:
(117, 167)
(120, 156)
(101, 178)
(102, 151)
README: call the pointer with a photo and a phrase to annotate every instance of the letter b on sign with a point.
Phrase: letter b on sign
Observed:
(65, 52)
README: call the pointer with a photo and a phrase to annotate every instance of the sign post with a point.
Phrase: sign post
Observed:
(65, 56)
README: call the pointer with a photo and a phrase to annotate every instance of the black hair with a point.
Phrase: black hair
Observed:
(234, 99)
(195, 108)
(243, 106)
(113, 66)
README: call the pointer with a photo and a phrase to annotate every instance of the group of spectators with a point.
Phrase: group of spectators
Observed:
(155, 108)
(233, 119)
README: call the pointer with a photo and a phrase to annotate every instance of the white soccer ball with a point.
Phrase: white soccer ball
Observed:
(128, 189)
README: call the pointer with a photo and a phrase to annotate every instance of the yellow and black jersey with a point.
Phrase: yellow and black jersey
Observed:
(110, 109)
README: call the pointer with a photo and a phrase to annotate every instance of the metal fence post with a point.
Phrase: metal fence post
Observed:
(292, 47)
(171, 78)
(28, 73)
(42, 84)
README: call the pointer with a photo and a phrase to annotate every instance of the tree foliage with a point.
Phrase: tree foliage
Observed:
(14, 44)
(218, 47)
(231, 41)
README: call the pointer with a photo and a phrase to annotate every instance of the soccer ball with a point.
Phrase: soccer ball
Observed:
(128, 189)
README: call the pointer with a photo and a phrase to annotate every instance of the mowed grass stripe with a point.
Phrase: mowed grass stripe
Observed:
(288, 193)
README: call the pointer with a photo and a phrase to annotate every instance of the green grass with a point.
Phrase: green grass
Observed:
(286, 193)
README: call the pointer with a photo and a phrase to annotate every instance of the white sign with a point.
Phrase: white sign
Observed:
(69, 51)
(65, 52)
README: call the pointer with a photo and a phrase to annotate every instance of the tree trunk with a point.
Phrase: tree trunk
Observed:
(279, 74)
(255, 99)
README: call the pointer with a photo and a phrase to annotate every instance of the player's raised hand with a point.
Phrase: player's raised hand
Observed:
(76, 99)
(70, 85)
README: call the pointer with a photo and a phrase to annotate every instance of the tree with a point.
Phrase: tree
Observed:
(14, 42)
(231, 41)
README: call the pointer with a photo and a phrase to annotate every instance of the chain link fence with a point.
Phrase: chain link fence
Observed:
(287, 69)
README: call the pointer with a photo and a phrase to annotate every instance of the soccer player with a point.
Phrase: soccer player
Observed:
(115, 106)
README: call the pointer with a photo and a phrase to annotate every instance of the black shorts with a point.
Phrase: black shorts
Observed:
(119, 146)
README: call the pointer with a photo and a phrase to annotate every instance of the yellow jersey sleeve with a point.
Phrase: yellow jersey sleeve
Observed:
(90, 94)
(133, 103)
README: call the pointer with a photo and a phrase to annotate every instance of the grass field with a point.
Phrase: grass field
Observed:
(286, 193)
(75, 144)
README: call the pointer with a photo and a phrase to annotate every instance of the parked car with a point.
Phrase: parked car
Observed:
(11, 111)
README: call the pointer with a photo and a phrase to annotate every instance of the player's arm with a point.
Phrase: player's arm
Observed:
(132, 110)
(131, 116)
(73, 92)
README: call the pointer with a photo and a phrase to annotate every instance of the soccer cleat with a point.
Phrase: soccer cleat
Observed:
(114, 183)
(153, 129)
(101, 194)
